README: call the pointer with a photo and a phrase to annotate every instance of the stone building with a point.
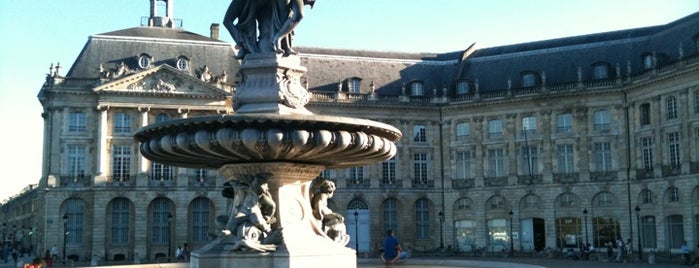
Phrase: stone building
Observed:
(544, 144)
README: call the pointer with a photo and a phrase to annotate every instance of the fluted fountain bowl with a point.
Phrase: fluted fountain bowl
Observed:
(215, 141)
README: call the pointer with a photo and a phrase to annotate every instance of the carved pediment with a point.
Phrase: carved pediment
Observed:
(161, 80)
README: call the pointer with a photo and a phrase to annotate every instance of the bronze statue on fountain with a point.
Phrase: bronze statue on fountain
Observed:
(271, 150)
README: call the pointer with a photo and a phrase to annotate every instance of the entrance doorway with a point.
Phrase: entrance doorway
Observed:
(533, 234)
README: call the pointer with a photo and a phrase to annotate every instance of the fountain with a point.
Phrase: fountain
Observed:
(271, 150)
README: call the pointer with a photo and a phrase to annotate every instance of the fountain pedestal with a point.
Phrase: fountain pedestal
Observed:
(303, 242)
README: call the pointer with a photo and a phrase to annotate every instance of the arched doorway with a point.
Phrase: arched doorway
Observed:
(357, 222)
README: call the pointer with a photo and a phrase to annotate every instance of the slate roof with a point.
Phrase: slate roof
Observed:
(165, 45)
(561, 58)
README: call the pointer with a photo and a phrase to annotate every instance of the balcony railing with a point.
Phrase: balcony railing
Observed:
(671, 170)
(391, 184)
(121, 181)
(202, 181)
(530, 179)
(463, 183)
(357, 183)
(76, 181)
(422, 184)
(602, 176)
(566, 178)
(495, 181)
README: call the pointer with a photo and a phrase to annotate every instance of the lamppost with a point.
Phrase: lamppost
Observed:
(4, 229)
(512, 242)
(638, 225)
(585, 219)
(65, 235)
(356, 232)
(441, 229)
(169, 232)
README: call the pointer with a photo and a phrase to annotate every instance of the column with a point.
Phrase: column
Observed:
(102, 135)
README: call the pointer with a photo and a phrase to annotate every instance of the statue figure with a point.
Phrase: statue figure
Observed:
(275, 21)
(249, 223)
(333, 224)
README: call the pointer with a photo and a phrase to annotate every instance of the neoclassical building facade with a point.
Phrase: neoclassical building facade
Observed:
(545, 144)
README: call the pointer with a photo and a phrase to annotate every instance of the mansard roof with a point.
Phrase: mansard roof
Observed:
(164, 45)
(560, 59)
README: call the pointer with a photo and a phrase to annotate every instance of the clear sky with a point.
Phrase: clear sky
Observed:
(37, 33)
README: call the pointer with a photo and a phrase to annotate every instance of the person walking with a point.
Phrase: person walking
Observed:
(620, 248)
(685, 253)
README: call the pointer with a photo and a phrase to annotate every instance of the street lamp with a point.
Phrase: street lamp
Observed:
(65, 235)
(356, 232)
(512, 242)
(441, 229)
(169, 232)
(4, 229)
(638, 225)
(585, 219)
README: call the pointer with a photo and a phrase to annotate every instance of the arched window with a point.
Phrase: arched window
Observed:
(530, 201)
(463, 87)
(672, 195)
(496, 202)
(201, 214)
(120, 220)
(648, 61)
(354, 85)
(390, 214)
(75, 220)
(646, 196)
(463, 203)
(530, 79)
(161, 218)
(422, 218)
(600, 71)
(144, 61)
(567, 200)
(605, 199)
(417, 88)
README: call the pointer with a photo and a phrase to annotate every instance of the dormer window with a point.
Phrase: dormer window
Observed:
(144, 61)
(182, 63)
(648, 61)
(354, 85)
(417, 89)
(600, 71)
(463, 87)
(529, 79)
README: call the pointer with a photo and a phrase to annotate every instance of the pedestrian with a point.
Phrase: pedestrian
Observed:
(14, 255)
(6, 252)
(54, 252)
(48, 259)
(392, 250)
(178, 254)
(620, 248)
(685, 253)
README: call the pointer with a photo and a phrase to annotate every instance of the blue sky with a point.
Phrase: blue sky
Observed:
(40, 32)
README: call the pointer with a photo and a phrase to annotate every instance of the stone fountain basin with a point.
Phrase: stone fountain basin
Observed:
(215, 141)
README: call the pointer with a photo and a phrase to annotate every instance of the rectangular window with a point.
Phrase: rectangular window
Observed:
(122, 123)
(648, 232)
(77, 122)
(463, 164)
(354, 85)
(329, 174)
(564, 123)
(529, 126)
(419, 133)
(121, 163)
(388, 171)
(75, 210)
(696, 100)
(529, 160)
(390, 214)
(496, 163)
(673, 149)
(674, 232)
(495, 129)
(603, 156)
(647, 153)
(463, 131)
(603, 120)
(644, 114)
(76, 161)
(420, 168)
(356, 175)
(671, 108)
(566, 161)
(161, 172)
(120, 221)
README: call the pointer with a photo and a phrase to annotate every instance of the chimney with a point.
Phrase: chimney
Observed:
(214, 31)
